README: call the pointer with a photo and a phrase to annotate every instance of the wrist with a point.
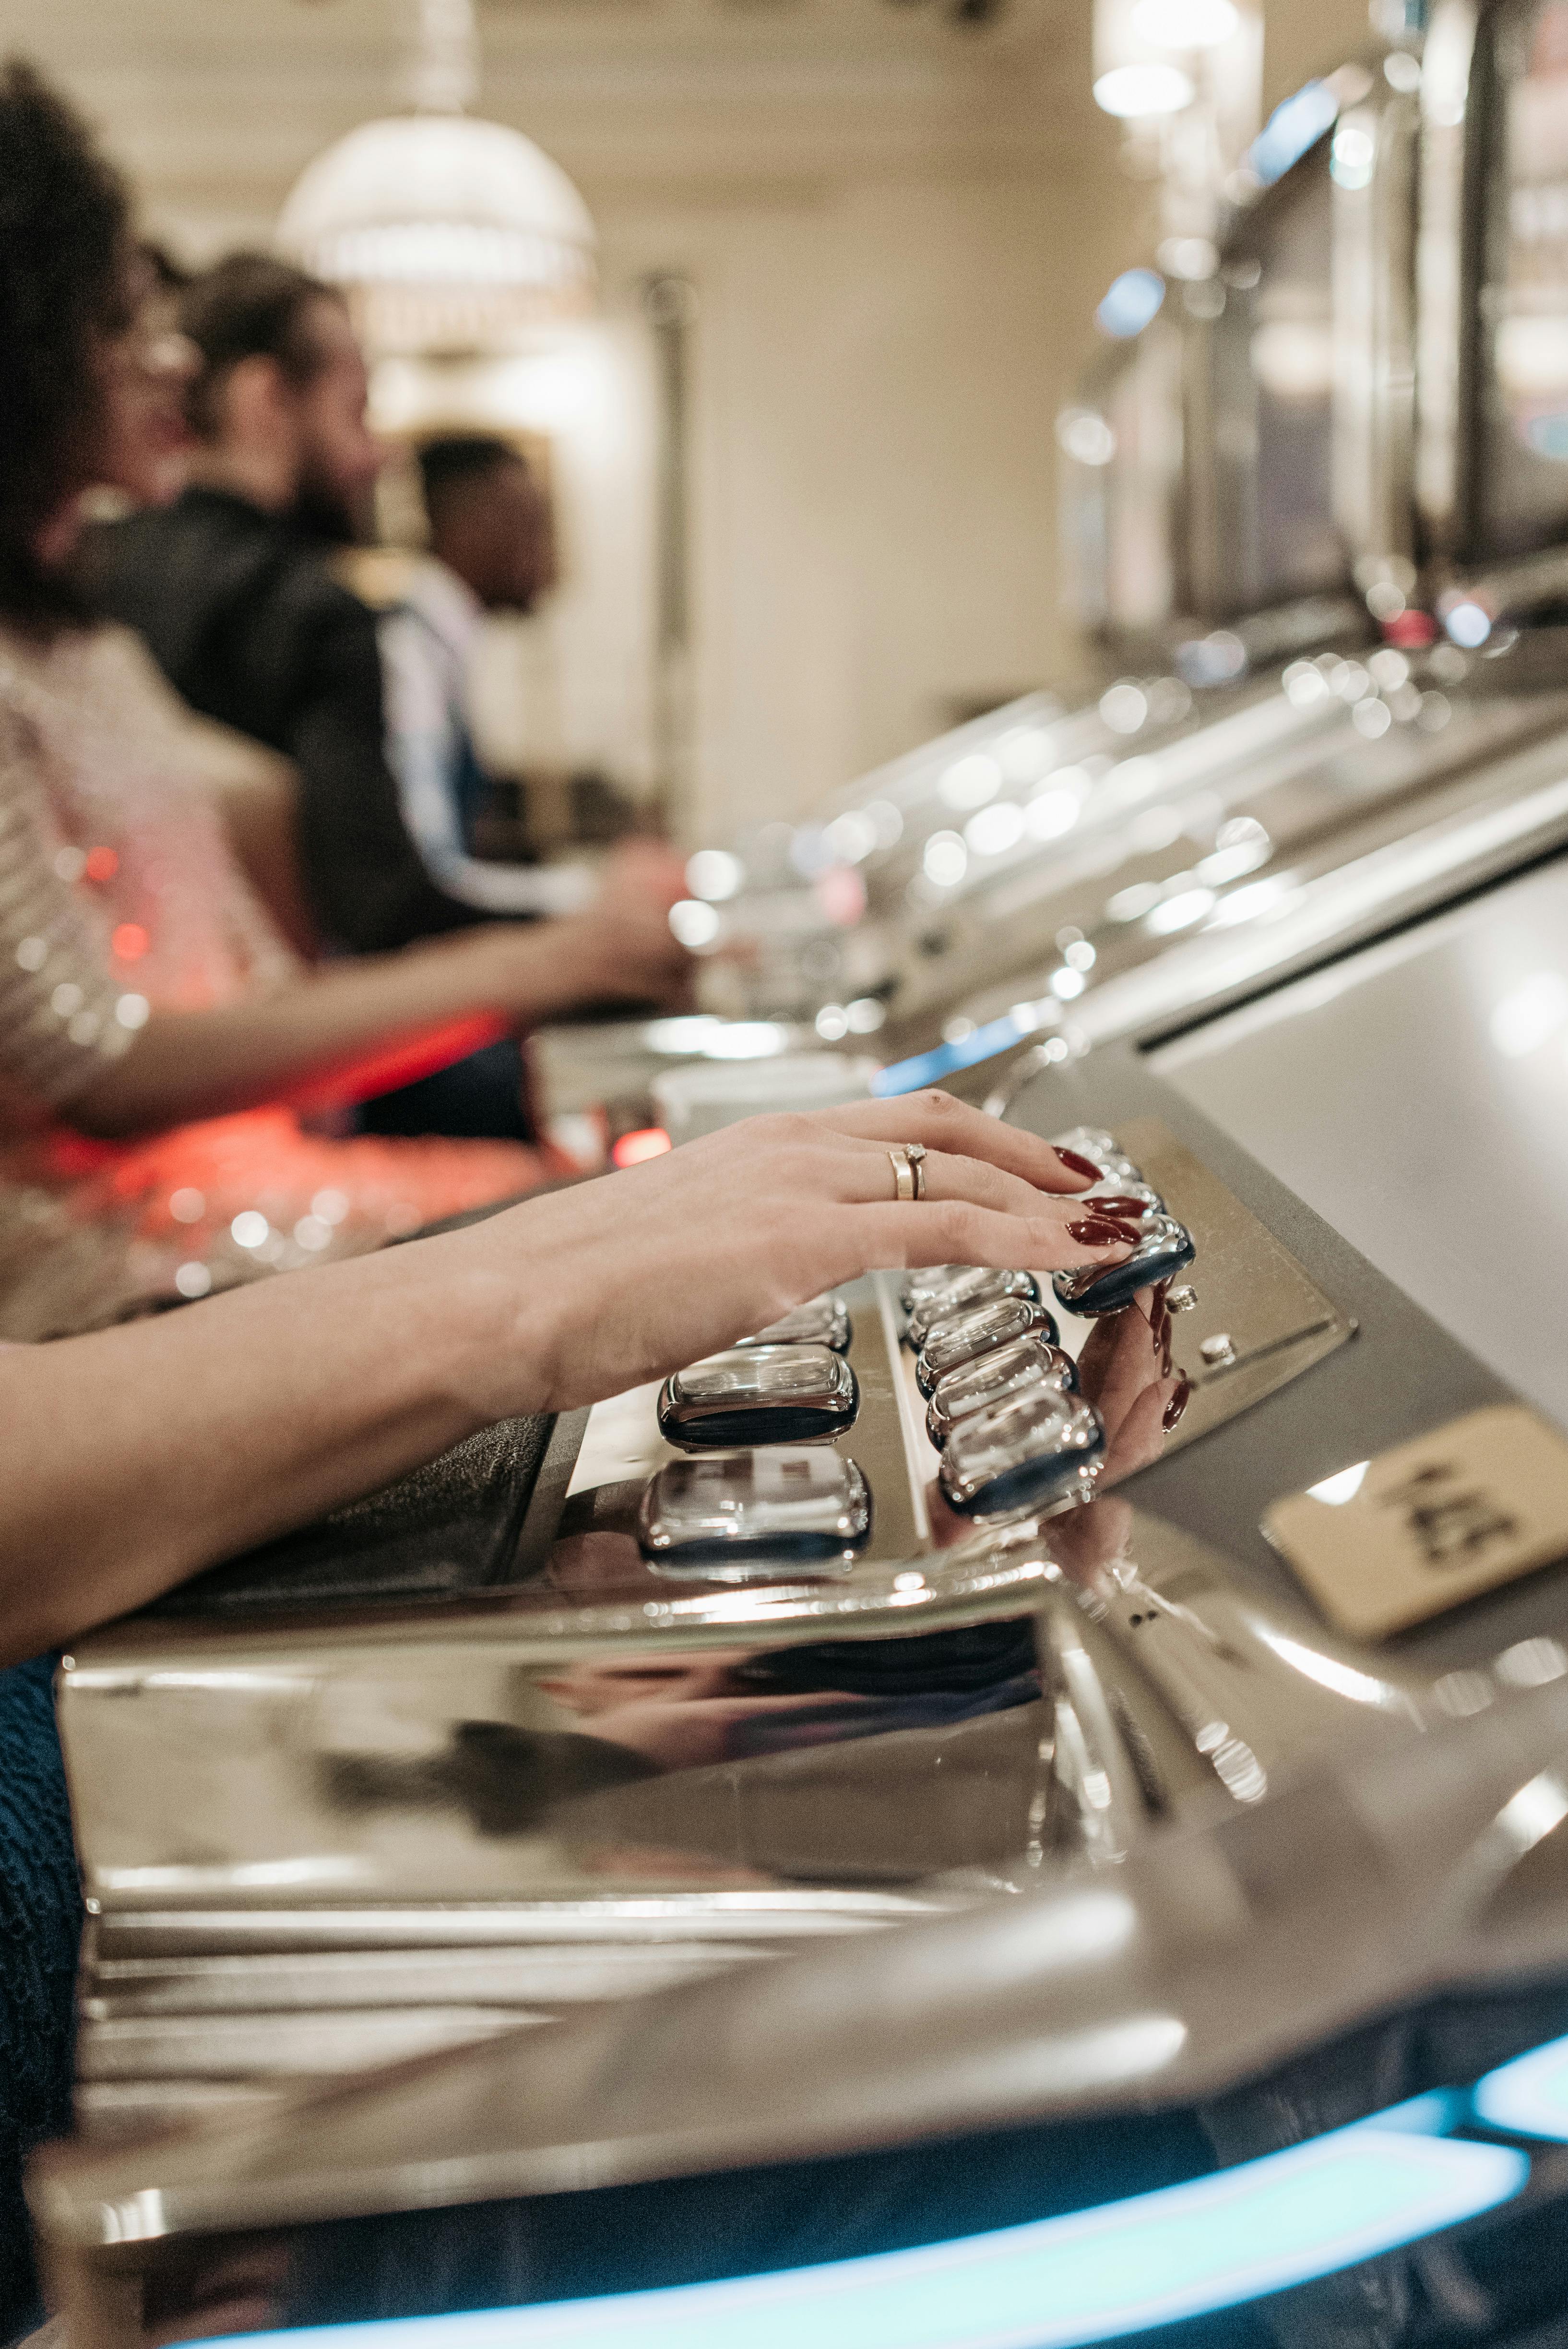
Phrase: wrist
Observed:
(496, 1348)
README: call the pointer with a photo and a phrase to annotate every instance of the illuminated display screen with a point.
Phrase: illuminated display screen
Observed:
(1098, 2275)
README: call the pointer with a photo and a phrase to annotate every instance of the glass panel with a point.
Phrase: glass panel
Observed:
(1291, 542)
(1524, 388)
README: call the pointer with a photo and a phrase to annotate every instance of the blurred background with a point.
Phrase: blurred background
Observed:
(798, 419)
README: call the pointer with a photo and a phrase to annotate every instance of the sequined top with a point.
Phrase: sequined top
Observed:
(119, 896)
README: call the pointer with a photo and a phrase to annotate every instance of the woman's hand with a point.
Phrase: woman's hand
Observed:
(626, 1278)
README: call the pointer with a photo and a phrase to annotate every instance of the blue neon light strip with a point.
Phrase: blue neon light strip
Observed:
(1528, 2096)
(929, 1068)
(1183, 2252)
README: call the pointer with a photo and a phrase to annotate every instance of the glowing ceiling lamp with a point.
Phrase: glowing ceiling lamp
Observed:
(447, 234)
(1137, 91)
(1185, 24)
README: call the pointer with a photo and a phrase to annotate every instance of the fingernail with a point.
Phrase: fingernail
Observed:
(1134, 1208)
(1084, 1166)
(1095, 1233)
(1177, 1402)
(1165, 1355)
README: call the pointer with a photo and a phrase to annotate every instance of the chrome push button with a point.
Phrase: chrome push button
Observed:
(1165, 1249)
(1039, 1448)
(976, 1284)
(995, 1378)
(758, 1394)
(769, 1508)
(919, 1288)
(823, 1321)
(982, 1330)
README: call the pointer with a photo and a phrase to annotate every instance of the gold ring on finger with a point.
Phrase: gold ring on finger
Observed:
(908, 1160)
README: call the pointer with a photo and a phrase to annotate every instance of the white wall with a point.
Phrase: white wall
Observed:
(877, 368)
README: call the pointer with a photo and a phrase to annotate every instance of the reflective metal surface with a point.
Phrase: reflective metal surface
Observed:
(617, 1754)
(1446, 1046)
(1477, 819)
(1202, 1961)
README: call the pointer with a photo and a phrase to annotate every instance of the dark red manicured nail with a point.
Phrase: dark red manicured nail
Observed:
(1095, 1233)
(1136, 1209)
(1084, 1166)
(1165, 1355)
(1177, 1402)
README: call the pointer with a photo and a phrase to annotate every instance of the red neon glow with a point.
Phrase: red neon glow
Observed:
(102, 863)
(131, 942)
(1412, 631)
(648, 1141)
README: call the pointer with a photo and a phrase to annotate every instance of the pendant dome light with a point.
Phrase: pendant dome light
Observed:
(447, 234)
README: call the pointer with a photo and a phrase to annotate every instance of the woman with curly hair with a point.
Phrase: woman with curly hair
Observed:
(157, 1036)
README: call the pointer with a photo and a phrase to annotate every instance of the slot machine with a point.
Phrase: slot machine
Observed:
(1006, 1809)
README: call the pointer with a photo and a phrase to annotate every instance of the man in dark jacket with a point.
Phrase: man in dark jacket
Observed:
(234, 589)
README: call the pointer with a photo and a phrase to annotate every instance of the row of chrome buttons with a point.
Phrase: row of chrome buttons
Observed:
(1003, 1409)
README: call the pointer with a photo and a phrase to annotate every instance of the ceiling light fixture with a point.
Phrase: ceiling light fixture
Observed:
(447, 234)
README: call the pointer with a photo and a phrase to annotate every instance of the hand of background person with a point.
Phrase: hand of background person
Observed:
(622, 944)
(626, 1278)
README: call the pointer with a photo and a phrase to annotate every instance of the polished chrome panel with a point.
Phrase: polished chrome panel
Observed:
(1378, 1880)
(1490, 819)
(606, 1769)
(1446, 1044)
(1374, 216)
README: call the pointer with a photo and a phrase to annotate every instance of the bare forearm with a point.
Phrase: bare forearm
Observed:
(322, 1035)
(219, 1427)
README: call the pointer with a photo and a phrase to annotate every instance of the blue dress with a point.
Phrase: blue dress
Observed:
(40, 1926)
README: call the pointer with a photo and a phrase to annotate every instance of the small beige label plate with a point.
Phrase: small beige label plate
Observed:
(1389, 1542)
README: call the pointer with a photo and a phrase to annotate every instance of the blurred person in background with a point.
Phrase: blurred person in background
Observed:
(152, 1017)
(234, 590)
(490, 548)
